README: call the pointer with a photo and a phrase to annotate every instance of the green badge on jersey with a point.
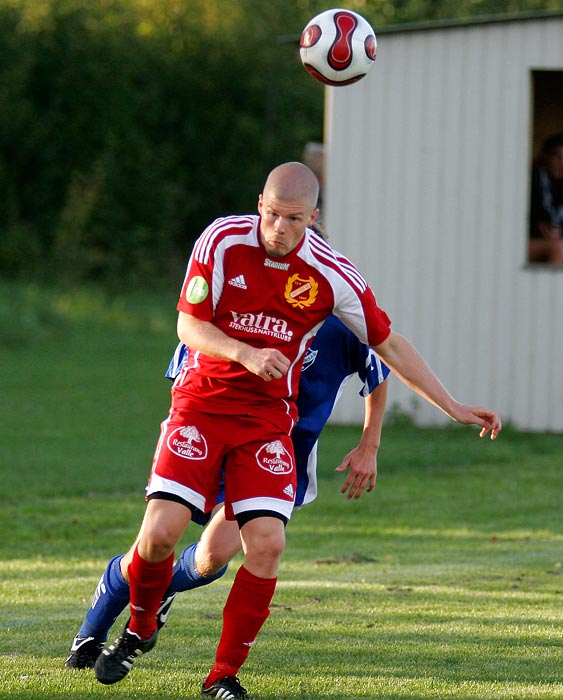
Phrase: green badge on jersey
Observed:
(197, 290)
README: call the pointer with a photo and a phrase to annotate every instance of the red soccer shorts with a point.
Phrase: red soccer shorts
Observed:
(258, 461)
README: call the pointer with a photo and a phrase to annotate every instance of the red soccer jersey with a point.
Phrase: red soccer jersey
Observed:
(266, 302)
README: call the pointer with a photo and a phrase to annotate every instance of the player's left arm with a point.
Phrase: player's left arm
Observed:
(362, 460)
(407, 363)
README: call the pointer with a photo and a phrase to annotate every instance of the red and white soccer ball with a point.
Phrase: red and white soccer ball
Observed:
(338, 47)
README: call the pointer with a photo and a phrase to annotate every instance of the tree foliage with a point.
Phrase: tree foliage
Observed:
(129, 124)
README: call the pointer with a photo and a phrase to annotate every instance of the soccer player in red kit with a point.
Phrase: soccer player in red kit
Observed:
(256, 290)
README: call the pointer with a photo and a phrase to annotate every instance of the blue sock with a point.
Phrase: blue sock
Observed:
(110, 599)
(186, 576)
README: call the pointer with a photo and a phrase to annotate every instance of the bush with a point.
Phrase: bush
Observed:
(133, 124)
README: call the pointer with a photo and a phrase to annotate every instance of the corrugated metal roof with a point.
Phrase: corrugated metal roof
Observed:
(468, 21)
(448, 23)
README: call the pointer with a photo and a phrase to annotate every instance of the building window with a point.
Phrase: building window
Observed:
(545, 229)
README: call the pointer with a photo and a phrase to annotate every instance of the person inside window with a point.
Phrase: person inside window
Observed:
(546, 206)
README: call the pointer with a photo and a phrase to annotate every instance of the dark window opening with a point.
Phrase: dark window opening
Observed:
(545, 230)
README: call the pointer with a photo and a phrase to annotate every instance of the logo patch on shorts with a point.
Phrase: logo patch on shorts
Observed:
(188, 442)
(274, 458)
(288, 490)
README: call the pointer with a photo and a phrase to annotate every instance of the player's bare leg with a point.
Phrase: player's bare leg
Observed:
(219, 543)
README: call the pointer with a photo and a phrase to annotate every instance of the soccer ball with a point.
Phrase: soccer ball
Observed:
(338, 47)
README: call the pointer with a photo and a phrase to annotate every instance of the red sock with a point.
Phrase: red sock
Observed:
(148, 582)
(246, 610)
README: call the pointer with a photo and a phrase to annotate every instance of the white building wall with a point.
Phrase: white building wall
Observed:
(427, 191)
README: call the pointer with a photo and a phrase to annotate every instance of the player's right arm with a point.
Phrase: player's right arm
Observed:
(362, 460)
(205, 337)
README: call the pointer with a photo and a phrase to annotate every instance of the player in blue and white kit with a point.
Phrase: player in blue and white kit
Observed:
(333, 358)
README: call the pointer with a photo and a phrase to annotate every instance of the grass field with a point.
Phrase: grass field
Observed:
(445, 582)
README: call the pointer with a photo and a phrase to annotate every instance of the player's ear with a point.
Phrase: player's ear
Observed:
(260, 203)
(313, 218)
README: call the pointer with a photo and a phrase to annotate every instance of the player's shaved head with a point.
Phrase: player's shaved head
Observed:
(286, 207)
(293, 182)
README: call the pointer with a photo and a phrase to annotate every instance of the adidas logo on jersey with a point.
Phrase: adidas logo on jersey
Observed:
(239, 282)
(288, 490)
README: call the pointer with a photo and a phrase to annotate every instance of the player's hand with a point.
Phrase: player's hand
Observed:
(267, 363)
(477, 415)
(362, 464)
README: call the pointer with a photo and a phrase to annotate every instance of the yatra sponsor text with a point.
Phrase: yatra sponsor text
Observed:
(261, 324)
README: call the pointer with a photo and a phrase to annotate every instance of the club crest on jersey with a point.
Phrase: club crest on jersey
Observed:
(301, 292)
(310, 357)
(274, 458)
(188, 442)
